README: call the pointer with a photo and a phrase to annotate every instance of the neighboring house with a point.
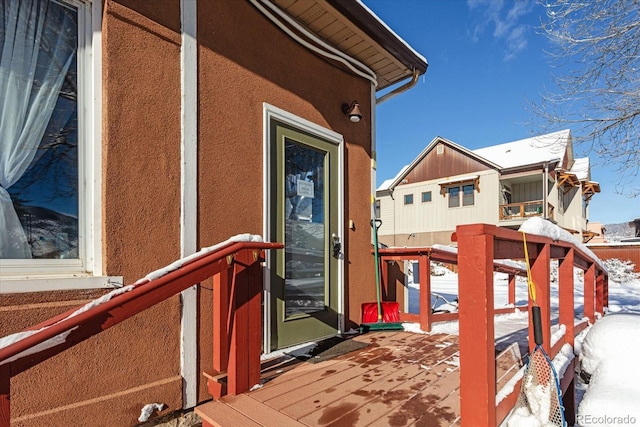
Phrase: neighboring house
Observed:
(596, 232)
(447, 185)
(136, 132)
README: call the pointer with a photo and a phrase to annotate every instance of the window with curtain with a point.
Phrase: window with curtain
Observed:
(39, 158)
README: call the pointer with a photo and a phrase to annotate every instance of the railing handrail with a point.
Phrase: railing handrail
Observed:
(124, 305)
(440, 255)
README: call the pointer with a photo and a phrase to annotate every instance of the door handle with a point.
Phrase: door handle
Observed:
(337, 246)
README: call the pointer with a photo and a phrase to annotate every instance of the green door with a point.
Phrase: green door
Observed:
(304, 282)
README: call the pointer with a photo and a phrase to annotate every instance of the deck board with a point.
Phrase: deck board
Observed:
(399, 379)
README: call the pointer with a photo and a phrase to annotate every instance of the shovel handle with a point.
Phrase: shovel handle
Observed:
(376, 223)
(537, 324)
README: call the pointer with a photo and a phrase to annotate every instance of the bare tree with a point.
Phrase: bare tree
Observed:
(596, 57)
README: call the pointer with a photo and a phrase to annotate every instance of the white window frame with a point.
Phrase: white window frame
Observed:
(19, 276)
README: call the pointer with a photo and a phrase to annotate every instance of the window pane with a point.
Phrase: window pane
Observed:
(454, 197)
(408, 199)
(45, 193)
(377, 209)
(468, 192)
(426, 196)
(305, 225)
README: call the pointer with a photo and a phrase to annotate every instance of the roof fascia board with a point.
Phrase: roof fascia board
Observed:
(371, 25)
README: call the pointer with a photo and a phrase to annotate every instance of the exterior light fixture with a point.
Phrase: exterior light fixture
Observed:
(353, 111)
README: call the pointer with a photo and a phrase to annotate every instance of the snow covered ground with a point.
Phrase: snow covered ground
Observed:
(609, 351)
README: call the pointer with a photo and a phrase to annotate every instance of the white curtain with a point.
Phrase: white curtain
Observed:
(33, 66)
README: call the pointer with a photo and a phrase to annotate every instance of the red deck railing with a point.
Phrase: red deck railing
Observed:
(479, 245)
(424, 256)
(237, 276)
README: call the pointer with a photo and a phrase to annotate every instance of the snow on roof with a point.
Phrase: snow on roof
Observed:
(580, 168)
(527, 151)
(387, 183)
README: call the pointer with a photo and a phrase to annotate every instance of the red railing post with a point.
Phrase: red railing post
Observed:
(565, 285)
(540, 274)
(589, 292)
(605, 291)
(512, 289)
(424, 266)
(477, 348)
(244, 348)
(5, 395)
(222, 283)
(600, 292)
(384, 278)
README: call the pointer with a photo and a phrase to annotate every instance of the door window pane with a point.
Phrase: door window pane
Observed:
(305, 234)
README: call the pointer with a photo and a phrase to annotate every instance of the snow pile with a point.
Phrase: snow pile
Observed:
(621, 271)
(610, 353)
(147, 411)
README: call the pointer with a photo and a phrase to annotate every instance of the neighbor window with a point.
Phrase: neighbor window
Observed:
(468, 195)
(426, 196)
(408, 199)
(43, 143)
(377, 208)
(454, 196)
(468, 192)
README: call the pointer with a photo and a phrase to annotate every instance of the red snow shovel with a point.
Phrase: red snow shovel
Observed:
(379, 315)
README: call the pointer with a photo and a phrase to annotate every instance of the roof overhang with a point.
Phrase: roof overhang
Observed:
(352, 28)
(589, 188)
(459, 180)
(567, 180)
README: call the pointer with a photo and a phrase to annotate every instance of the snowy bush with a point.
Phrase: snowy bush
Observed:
(621, 271)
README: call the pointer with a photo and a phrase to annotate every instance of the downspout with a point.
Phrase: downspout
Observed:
(378, 101)
(545, 190)
(398, 90)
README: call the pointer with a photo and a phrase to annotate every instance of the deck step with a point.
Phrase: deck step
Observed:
(242, 411)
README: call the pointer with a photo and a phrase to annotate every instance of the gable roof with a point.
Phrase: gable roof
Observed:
(354, 29)
(389, 184)
(536, 150)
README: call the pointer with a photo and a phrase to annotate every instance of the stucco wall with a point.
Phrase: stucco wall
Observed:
(106, 380)
(240, 69)
(243, 62)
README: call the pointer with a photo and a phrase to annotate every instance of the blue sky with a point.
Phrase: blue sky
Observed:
(487, 63)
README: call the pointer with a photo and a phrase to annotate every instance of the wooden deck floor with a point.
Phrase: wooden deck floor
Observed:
(399, 379)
